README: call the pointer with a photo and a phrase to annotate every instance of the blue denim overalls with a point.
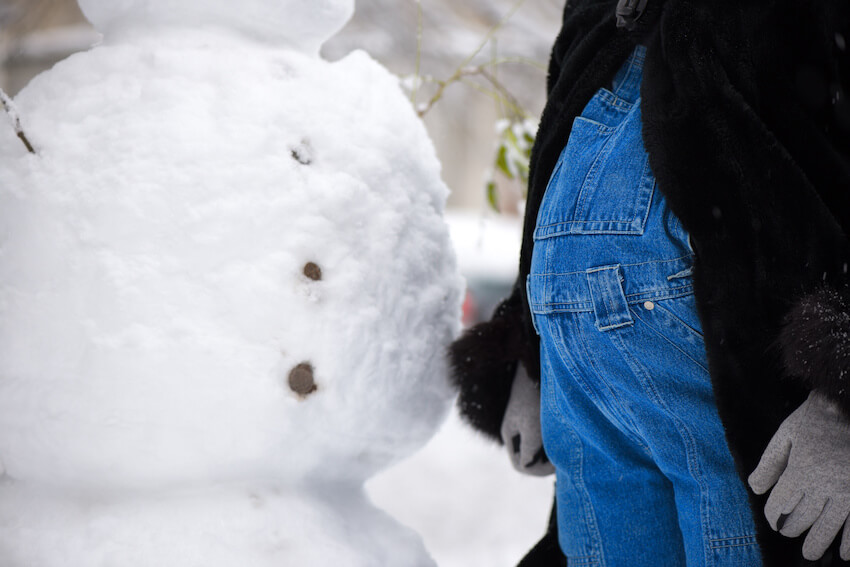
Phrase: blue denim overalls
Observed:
(644, 474)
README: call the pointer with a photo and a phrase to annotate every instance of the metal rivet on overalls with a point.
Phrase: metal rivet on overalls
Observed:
(649, 306)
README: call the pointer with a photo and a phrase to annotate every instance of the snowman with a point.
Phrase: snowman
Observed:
(226, 288)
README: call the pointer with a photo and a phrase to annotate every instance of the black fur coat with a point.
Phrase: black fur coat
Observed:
(747, 125)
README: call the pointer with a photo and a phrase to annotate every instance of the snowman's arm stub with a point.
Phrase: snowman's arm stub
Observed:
(11, 111)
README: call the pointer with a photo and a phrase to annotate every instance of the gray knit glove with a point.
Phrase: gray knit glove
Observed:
(521, 427)
(808, 460)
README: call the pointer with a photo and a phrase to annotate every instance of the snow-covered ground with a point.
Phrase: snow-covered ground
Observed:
(465, 500)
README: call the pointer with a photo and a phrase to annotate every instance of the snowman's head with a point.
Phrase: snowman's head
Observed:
(302, 24)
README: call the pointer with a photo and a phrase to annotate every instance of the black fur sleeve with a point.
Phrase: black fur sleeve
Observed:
(815, 343)
(484, 361)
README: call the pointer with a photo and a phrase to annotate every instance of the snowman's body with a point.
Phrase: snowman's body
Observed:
(225, 292)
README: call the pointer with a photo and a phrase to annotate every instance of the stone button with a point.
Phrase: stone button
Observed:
(301, 380)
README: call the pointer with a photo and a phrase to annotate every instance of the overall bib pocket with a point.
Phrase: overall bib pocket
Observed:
(594, 190)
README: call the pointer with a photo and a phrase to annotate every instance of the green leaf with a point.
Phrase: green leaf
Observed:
(502, 162)
(492, 196)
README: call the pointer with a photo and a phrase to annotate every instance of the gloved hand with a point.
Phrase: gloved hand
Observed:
(808, 460)
(521, 427)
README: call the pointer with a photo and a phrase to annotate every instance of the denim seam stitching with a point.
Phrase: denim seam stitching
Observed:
(684, 432)
(731, 546)
(578, 479)
(528, 301)
(581, 202)
(667, 339)
(670, 261)
(585, 306)
(555, 233)
(582, 222)
(733, 538)
(647, 173)
(681, 428)
(723, 543)
(632, 430)
(661, 294)
(627, 76)
(600, 127)
(618, 103)
(551, 401)
(698, 334)
(551, 397)
(589, 512)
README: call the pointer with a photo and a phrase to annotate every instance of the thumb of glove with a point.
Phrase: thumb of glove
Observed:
(521, 428)
(773, 462)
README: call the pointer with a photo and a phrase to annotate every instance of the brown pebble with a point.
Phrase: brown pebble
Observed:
(301, 379)
(313, 271)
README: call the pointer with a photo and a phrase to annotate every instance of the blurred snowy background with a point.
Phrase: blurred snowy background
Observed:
(473, 509)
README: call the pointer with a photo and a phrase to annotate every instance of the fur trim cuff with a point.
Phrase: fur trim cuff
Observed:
(484, 362)
(816, 343)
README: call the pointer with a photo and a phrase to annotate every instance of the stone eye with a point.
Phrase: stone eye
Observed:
(313, 271)
(301, 380)
(303, 152)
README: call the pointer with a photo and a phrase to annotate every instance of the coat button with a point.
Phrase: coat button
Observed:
(649, 306)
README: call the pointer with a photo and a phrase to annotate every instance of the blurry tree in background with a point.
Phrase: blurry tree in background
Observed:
(35, 34)
(480, 65)
(469, 126)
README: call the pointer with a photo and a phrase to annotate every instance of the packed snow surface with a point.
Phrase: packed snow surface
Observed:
(226, 289)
